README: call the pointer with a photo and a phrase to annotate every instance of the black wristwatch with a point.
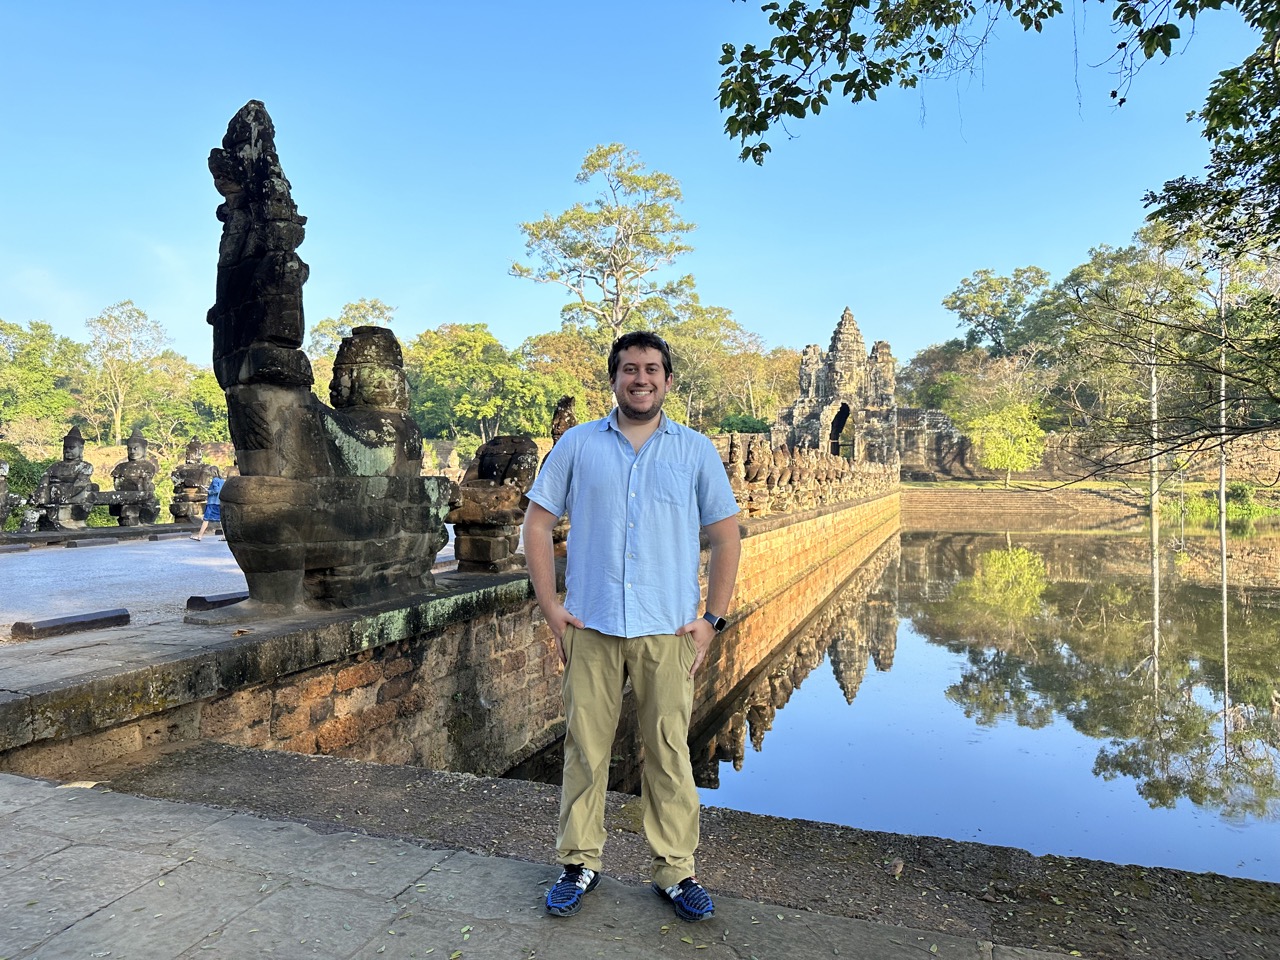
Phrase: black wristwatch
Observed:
(718, 622)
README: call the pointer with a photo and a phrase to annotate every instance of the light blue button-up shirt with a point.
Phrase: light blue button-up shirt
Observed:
(634, 520)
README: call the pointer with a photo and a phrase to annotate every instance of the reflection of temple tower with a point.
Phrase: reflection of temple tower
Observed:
(880, 618)
(871, 632)
(849, 663)
(846, 403)
(853, 626)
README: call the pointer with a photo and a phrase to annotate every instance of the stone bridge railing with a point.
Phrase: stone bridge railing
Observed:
(467, 680)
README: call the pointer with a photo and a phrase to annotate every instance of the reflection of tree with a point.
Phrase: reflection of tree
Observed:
(992, 688)
(1005, 588)
(1081, 644)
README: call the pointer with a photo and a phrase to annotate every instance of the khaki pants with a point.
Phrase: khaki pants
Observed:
(596, 668)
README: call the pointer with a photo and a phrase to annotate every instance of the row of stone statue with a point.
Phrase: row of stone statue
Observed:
(779, 480)
(66, 493)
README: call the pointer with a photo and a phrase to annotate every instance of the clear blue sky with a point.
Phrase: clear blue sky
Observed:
(417, 135)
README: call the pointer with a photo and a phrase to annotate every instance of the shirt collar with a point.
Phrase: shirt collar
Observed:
(665, 423)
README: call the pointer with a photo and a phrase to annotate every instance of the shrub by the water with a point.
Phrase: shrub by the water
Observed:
(1242, 506)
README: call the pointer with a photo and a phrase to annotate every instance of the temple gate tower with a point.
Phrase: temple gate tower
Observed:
(846, 404)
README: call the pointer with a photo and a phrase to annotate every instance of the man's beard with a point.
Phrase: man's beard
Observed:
(639, 416)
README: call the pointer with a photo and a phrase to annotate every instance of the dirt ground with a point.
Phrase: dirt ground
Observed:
(1002, 894)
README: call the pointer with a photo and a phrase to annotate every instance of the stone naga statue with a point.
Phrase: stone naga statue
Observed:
(65, 494)
(330, 508)
(191, 481)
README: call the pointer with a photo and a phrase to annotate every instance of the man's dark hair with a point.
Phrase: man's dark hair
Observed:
(645, 341)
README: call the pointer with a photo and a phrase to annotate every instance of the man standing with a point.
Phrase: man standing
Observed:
(638, 488)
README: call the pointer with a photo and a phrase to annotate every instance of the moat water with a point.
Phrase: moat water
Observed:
(1015, 690)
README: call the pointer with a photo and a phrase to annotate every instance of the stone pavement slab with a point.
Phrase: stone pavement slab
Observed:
(95, 874)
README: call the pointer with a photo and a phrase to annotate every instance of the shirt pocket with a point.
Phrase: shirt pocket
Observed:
(672, 482)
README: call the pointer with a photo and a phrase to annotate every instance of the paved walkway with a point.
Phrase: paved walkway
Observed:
(91, 874)
(151, 579)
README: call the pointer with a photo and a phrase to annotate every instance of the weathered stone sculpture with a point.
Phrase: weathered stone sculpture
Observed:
(781, 488)
(8, 501)
(756, 467)
(134, 499)
(563, 418)
(191, 481)
(735, 469)
(330, 509)
(65, 495)
(492, 505)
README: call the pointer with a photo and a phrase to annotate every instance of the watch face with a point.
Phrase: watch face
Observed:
(718, 622)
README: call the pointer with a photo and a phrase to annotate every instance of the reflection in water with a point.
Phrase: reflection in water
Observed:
(1104, 652)
(1059, 693)
(855, 625)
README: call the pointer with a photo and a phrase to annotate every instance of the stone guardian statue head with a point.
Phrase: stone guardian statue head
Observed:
(73, 445)
(369, 372)
(136, 445)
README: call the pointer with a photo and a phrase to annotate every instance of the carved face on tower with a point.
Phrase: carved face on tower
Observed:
(195, 452)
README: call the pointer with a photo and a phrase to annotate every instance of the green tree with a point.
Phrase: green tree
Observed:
(181, 401)
(998, 408)
(759, 382)
(37, 380)
(609, 254)
(929, 379)
(1238, 200)
(743, 423)
(124, 345)
(462, 381)
(1008, 439)
(327, 334)
(701, 339)
(1129, 316)
(852, 49)
(576, 358)
(999, 312)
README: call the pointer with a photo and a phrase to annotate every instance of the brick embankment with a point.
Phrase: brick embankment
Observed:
(466, 679)
(985, 509)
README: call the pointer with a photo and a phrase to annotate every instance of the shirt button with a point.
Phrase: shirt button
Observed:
(628, 586)
(633, 494)
(630, 524)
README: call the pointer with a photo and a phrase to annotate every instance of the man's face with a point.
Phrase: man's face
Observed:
(640, 384)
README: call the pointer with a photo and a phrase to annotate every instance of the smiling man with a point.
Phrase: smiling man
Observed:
(638, 489)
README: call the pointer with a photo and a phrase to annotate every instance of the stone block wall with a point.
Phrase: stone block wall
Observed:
(988, 509)
(468, 697)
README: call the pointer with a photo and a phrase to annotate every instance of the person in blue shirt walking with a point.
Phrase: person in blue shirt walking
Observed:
(638, 489)
(212, 507)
